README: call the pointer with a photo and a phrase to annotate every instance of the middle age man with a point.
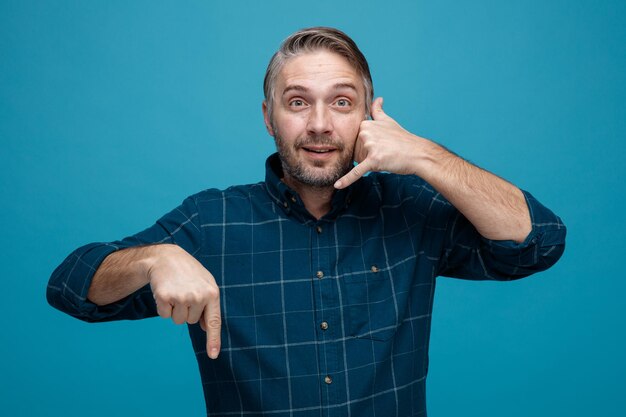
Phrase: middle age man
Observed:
(317, 284)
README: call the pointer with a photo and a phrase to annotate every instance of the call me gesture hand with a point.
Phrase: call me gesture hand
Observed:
(383, 145)
(495, 207)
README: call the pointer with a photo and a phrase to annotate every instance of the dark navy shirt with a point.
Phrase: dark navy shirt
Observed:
(326, 317)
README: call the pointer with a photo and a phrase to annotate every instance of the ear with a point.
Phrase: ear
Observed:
(266, 119)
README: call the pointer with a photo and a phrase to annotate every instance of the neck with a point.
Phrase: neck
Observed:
(316, 199)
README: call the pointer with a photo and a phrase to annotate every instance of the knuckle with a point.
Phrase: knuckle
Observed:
(175, 299)
(213, 293)
(159, 295)
(194, 299)
(188, 298)
(215, 322)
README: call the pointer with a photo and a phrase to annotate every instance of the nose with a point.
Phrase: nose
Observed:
(320, 121)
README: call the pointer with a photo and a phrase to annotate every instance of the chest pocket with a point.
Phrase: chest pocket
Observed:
(375, 301)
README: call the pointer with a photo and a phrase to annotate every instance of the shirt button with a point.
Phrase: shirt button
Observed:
(375, 268)
(319, 229)
(320, 274)
(328, 379)
(293, 199)
(324, 325)
(285, 204)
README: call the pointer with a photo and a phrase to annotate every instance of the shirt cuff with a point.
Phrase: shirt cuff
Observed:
(543, 246)
(69, 294)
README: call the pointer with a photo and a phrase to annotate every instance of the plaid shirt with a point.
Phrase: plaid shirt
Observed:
(326, 317)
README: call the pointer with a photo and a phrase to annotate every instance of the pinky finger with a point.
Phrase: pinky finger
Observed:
(164, 309)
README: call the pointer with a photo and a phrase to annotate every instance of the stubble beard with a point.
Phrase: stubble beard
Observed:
(309, 176)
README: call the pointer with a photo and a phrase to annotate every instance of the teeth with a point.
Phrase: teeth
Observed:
(318, 151)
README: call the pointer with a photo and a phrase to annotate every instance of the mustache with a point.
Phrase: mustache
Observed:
(319, 140)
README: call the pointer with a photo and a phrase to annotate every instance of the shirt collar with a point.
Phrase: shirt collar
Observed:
(289, 201)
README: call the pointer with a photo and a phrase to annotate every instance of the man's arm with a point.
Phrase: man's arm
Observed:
(183, 289)
(496, 208)
(150, 273)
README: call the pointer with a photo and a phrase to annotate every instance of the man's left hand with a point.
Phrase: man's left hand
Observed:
(383, 145)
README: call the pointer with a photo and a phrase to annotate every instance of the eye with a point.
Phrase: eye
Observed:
(296, 103)
(342, 102)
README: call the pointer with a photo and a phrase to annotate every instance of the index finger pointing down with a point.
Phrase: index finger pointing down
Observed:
(213, 324)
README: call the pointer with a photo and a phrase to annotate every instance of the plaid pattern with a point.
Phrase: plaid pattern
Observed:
(320, 318)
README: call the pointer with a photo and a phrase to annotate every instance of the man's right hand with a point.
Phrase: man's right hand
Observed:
(183, 289)
(186, 291)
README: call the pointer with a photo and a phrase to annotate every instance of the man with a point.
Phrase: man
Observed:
(311, 293)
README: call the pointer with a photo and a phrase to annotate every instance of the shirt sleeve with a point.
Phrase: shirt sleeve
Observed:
(69, 284)
(468, 255)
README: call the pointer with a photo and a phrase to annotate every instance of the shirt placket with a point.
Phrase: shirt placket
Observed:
(327, 318)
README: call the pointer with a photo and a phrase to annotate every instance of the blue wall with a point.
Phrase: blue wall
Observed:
(111, 112)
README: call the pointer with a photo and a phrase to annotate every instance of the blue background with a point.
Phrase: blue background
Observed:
(112, 112)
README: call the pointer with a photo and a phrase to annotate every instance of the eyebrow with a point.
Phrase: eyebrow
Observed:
(295, 87)
(303, 89)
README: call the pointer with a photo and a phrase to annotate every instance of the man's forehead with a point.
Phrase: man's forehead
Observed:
(318, 68)
(337, 86)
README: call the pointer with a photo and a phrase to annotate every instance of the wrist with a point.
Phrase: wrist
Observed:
(430, 159)
(153, 256)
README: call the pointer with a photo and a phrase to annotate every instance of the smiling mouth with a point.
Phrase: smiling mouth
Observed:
(319, 150)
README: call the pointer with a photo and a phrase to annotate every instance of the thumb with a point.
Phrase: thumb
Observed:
(377, 109)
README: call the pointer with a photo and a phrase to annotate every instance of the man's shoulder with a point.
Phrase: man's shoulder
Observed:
(235, 202)
(243, 191)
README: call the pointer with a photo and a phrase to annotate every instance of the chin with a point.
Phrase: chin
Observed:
(320, 177)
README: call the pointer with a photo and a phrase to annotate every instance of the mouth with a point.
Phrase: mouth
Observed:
(319, 150)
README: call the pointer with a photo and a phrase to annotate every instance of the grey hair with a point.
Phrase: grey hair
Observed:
(311, 40)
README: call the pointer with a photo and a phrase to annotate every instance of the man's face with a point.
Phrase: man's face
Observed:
(319, 104)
